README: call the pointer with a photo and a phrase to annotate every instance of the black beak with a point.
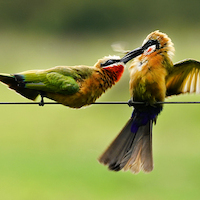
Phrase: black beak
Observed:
(132, 54)
(136, 52)
(129, 56)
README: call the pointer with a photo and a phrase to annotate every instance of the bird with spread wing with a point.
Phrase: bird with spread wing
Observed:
(153, 77)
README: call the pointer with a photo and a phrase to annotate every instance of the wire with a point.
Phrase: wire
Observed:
(144, 103)
(102, 103)
(26, 103)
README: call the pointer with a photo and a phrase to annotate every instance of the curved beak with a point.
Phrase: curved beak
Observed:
(129, 56)
(132, 54)
(140, 50)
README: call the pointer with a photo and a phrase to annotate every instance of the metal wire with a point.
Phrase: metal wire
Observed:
(144, 103)
(102, 103)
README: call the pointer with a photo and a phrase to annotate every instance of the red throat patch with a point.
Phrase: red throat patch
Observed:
(116, 71)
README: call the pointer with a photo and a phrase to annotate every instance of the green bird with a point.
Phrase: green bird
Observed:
(73, 86)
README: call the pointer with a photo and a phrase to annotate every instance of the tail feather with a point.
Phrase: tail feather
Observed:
(7, 79)
(141, 157)
(130, 151)
(12, 83)
(146, 154)
(118, 148)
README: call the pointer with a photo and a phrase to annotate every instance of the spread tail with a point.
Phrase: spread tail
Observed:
(130, 151)
(14, 83)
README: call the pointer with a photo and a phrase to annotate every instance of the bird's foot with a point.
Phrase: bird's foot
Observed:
(130, 103)
(41, 103)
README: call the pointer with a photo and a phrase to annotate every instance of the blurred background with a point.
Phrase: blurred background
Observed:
(51, 152)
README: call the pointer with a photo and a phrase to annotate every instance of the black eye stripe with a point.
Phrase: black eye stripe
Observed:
(150, 43)
(110, 62)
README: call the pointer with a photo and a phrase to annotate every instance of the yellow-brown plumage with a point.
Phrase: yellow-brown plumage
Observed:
(92, 87)
(184, 78)
(153, 77)
(148, 71)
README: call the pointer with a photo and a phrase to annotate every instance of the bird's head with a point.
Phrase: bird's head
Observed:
(111, 65)
(112, 61)
(158, 42)
(155, 42)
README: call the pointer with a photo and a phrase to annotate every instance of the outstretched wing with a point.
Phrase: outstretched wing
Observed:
(184, 78)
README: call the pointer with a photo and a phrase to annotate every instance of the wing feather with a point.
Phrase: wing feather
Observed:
(198, 84)
(184, 78)
(52, 82)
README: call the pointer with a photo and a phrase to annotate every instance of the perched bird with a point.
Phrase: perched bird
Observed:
(153, 77)
(75, 86)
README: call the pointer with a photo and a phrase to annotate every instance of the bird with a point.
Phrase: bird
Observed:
(72, 86)
(153, 78)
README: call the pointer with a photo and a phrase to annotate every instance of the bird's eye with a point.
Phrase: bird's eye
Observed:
(150, 50)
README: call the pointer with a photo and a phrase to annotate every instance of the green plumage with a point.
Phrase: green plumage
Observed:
(51, 81)
(73, 86)
(61, 80)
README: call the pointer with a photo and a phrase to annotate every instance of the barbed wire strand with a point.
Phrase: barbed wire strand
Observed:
(103, 103)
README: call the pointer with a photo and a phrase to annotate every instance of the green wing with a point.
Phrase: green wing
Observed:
(61, 79)
(53, 82)
(184, 78)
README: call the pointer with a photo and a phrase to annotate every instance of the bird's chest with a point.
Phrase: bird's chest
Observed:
(148, 84)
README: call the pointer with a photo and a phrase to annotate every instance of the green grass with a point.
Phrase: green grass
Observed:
(51, 152)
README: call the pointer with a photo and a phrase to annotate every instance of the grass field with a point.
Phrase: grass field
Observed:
(51, 152)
